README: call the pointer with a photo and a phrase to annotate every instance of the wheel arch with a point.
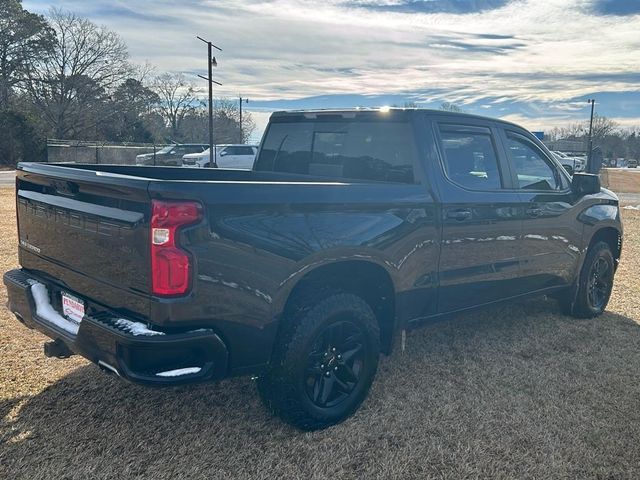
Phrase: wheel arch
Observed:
(364, 278)
(610, 235)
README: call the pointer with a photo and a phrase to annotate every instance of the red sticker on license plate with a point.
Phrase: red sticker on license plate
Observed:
(72, 307)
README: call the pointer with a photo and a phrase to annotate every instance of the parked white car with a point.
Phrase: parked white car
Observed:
(570, 164)
(226, 156)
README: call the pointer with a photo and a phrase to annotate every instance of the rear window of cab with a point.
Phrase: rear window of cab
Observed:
(383, 151)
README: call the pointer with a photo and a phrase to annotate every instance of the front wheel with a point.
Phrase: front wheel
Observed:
(324, 362)
(594, 284)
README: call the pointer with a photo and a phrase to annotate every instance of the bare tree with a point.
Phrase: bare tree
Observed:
(248, 126)
(227, 122)
(178, 98)
(86, 64)
(602, 127)
(24, 38)
(573, 131)
(451, 107)
(143, 73)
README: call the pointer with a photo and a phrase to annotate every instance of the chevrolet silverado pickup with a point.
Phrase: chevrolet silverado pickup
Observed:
(352, 226)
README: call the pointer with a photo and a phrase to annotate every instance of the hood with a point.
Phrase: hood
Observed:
(609, 193)
(196, 155)
(149, 155)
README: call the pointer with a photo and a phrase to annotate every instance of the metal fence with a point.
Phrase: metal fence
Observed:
(78, 151)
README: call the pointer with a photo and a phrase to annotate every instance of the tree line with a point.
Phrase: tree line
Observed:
(613, 140)
(64, 77)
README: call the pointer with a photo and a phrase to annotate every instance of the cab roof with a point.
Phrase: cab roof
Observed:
(391, 112)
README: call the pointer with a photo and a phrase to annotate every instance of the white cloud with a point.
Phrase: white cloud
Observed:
(526, 51)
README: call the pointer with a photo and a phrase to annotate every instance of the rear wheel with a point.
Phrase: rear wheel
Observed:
(324, 362)
(594, 284)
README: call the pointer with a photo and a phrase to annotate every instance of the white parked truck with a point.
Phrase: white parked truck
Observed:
(225, 156)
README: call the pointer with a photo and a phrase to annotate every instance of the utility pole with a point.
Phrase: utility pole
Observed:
(211, 62)
(245, 100)
(592, 102)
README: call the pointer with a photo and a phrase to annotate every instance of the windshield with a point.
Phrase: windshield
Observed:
(198, 154)
(166, 149)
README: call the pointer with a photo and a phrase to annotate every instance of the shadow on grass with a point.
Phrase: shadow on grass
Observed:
(515, 391)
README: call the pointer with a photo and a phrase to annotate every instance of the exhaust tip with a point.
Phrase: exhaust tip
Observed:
(108, 368)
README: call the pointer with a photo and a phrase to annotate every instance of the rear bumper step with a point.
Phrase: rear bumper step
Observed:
(123, 346)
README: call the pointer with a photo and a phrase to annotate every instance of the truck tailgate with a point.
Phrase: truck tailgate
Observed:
(87, 230)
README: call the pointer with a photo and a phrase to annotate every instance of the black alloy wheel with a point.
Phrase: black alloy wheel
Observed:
(325, 360)
(590, 294)
(599, 283)
(335, 364)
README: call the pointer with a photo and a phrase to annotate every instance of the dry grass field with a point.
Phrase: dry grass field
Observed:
(621, 180)
(518, 391)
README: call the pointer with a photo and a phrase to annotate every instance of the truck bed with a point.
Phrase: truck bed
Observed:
(85, 230)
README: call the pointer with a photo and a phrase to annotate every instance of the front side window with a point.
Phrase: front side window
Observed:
(534, 171)
(230, 151)
(366, 150)
(470, 159)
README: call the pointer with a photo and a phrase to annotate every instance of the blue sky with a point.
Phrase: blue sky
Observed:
(535, 62)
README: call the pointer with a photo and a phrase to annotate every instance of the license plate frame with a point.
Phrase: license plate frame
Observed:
(73, 308)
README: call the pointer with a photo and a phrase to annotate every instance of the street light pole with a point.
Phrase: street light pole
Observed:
(211, 62)
(592, 102)
(245, 100)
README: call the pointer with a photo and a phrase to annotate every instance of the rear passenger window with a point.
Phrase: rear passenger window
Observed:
(470, 158)
(534, 171)
(366, 150)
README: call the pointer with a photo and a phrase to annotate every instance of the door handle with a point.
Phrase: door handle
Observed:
(460, 215)
(533, 212)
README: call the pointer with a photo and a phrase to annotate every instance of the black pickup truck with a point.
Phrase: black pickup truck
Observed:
(351, 227)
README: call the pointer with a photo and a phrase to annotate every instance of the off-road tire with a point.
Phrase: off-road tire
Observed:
(284, 386)
(578, 302)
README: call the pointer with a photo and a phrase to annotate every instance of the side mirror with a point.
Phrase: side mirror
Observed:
(585, 183)
(223, 154)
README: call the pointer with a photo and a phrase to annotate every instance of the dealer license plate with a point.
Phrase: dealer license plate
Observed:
(72, 307)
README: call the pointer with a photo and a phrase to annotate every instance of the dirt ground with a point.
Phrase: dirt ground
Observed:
(518, 391)
(621, 179)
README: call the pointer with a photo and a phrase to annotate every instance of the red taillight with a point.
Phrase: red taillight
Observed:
(170, 265)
